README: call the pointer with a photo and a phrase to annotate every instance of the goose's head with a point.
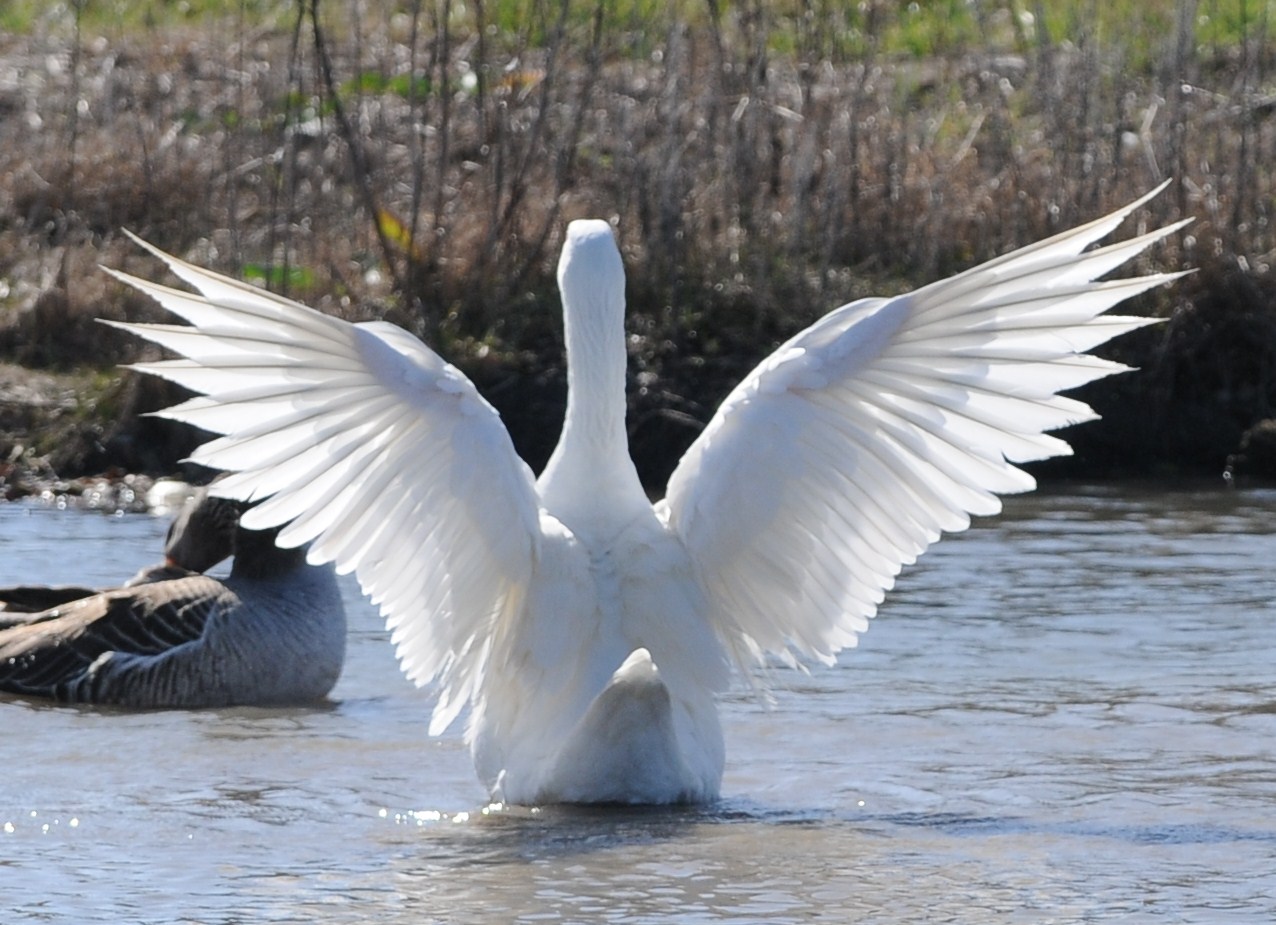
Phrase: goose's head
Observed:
(590, 270)
(203, 534)
(208, 531)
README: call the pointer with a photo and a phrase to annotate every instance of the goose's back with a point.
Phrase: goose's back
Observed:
(188, 643)
(592, 603)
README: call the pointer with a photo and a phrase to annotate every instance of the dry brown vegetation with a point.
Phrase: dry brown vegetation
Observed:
(760, 168)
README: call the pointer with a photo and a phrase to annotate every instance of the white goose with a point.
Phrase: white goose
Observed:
(587, 630)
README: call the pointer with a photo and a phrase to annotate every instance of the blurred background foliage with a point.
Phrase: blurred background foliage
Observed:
(762, 162)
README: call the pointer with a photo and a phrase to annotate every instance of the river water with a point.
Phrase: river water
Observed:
(1066, 714)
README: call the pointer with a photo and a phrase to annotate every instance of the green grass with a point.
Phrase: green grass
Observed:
(834, 28)
(375, 82)
(276, 277)
(113, 18)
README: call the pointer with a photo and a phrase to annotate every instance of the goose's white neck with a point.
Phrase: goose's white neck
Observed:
(590, 473)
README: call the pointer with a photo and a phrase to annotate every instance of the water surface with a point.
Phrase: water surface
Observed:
(1066, 714)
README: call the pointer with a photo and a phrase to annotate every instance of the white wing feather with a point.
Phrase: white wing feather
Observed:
(371, 448)
(848, 451)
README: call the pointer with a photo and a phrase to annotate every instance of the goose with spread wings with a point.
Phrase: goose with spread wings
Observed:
(584, 631)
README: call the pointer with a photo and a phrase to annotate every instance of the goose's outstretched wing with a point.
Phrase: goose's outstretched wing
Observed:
(848, 451)
(370, 447)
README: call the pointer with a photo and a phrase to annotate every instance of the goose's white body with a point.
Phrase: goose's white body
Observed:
(588, 631)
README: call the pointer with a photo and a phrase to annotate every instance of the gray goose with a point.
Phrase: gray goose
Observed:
(271, 633)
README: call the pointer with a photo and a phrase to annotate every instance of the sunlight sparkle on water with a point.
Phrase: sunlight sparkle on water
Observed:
(11, 828)
(425, 816)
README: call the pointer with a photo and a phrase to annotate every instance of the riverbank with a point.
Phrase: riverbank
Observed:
(760, 169)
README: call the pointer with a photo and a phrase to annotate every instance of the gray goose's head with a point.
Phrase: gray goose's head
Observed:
(208, 531)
